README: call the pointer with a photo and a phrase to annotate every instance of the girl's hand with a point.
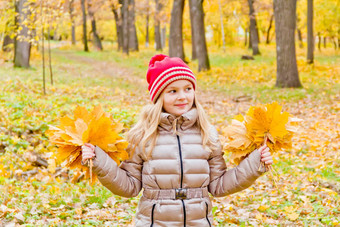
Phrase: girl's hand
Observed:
(266, 156)
(87, 152)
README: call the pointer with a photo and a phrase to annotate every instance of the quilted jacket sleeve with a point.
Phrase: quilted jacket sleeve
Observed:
(125, 180)
(224, 182)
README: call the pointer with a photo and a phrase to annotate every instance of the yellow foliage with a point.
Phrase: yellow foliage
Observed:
(263, 122)
(263, 208)
(95, 127)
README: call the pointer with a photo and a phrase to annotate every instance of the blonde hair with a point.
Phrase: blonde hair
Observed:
(145, 131)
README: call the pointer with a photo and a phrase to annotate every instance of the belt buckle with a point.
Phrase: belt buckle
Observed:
(181, 193)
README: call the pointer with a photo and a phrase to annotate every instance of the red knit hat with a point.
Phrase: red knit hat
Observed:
(164, 70)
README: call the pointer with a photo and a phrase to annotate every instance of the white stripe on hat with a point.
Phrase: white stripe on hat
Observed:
(166, 71)
(158, 90)
(165, 77)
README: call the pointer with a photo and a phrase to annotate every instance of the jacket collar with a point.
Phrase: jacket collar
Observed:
(169, 122)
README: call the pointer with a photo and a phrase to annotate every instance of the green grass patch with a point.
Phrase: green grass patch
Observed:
(329, 173)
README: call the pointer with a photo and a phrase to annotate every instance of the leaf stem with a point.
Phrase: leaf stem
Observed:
(269, 168)
(265, 139)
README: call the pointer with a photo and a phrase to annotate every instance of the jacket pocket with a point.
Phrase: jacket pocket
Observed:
(152, 213)
(207, 213)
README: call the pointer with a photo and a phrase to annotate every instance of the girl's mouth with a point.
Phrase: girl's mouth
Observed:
(180, 105)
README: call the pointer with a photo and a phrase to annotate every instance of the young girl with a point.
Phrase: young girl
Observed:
(175, 155)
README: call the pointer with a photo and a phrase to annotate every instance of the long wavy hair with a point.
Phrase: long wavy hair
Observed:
(145, 132)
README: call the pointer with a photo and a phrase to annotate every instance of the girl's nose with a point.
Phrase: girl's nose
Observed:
(181, 95)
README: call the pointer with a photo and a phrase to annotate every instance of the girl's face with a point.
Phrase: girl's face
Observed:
(178, 97)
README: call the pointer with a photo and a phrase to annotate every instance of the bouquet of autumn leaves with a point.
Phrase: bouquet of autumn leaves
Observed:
(97, 128)
(262, 124)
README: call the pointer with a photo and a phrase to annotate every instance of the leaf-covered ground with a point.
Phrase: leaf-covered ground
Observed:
(307, 177)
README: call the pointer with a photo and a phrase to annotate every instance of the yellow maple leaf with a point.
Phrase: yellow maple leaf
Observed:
(266, 121)
(96, 127)
(262, 122)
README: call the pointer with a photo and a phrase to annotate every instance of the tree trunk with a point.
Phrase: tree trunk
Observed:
(133, 41)
(158, 40)
(163, 37)
(222, 26)
(43, 46)
(269, 28)
(192, 20)
(49, 54)
(246, 37)
(324, 41)
(49, 18)
(96, 40)
(310, 36)
(117, 12)
(73, 34)
(200, 43)
(73, 28)
(126, 23)
(334, 42)
(253, 29)
(147, 24)
(285, 25)
(257, 32)
(319, 41)
(22, 46)
(176, 36)
(5, 45)
(249, 40)
(300, 38)
(86, 48)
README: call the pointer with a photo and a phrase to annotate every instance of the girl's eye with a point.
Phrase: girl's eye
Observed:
(172, 91)
(188, 88)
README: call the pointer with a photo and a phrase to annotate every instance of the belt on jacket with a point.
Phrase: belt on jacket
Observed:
(178, 193)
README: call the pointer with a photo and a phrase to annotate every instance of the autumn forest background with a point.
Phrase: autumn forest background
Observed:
(57, 55)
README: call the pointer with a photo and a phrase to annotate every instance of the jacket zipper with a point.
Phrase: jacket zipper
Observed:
(180, 156)
(152, 212)
(184, 212)
(207, 213)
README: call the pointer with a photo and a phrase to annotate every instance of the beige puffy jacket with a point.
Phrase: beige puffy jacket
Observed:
(178, 162)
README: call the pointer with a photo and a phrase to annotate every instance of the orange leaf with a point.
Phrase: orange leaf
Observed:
(95, 127)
